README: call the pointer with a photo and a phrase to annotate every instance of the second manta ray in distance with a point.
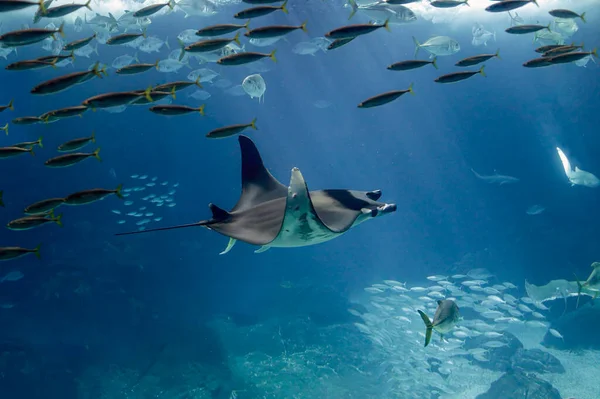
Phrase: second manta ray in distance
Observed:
(270, 214)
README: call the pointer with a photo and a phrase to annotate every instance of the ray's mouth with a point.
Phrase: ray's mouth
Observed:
(387, 208)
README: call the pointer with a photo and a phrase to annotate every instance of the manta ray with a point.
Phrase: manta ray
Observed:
(270, 214)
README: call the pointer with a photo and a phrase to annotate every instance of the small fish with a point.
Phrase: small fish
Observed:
(173, 110)
(62, 83)
(537, 63)
(115, 99)
(7, 253)
(125, 38)
(9, 152)
(351, 31)
(136, 68)
(29, 144)
(12, 276)
(179, 85)
(458, 76)
(27, 120)
(561, 50)
(535, 210)
(63, 113)
(222, 29)
(572, 57)
(77, 44)
(29, 36)
(412, 64)
(549, 47)
(93, 195)
(524, 29)
(339, 43)
(508, 5)
(76, 144)
(153, 9)
(562, 13)
(208, 45)
(266, 32)
(29, 65)
(245, 58)
(448, 3)
(556, 334)
(64, 9)
(43, 206)
(384, 98)
(30, 222)
(227, 131)
(260, 11)
(10, 106)
(477, 59)
(14, 5)
(62, 161)
(446, 316)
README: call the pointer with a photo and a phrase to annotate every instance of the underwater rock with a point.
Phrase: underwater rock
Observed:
(520, 385)
(576, 337)
(536, 360)
(500, 359)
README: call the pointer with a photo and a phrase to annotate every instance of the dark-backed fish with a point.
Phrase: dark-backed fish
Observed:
(222, 29)
(29, 64)
(93, 195)
(125, 38)
(63, 161)
(175, 110)
(260, 11)
(209, 45)
(63, 113)
(524, 29)
(549, 47)
(179, 85)
(65, 82)
(537, 63)
(25, 37)
(562, 50)
(346, 32)
(266, 32)
(133, 69)
(245, 58)
(154, 96)
(508, 5)
(384, 98)
(27, 120)
(5, 128)
(448, 3)
(10, 106)
(30, 144)
(15, 5)
(337, 43)
(77, 44)
(30, 222)
(7, 253)
(458, 76)
(412, 64)
(477, 59)
(116, 99)
(65, 9)
(76, 144)
(153, 9)
(44, 206)
(9, 152)
(230, 130)
(572, 57)
(562, 13)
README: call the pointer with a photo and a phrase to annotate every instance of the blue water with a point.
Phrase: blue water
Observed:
(418, 150)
